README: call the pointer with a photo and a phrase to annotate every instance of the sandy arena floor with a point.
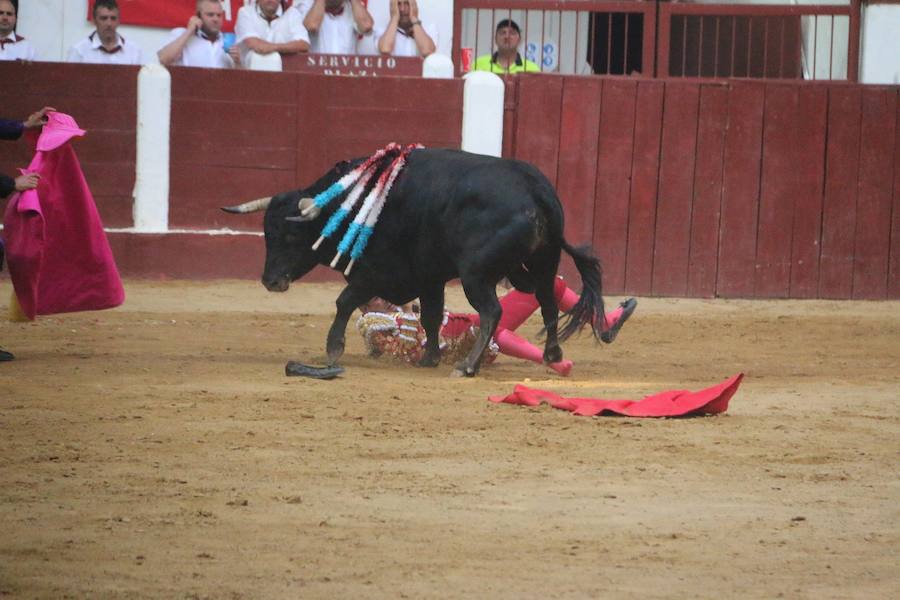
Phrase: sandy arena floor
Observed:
(158, 451)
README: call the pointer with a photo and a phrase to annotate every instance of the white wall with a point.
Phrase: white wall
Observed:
(53, 26)
(880, 44)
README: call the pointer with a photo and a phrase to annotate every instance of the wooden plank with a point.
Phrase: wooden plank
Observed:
(893, 291)
(115, 211)
(577, 172)
(676, 188)
(193, 205)
(400, 93)
(223, 149)
(257, 124)
(613, 187)
(312, 129)
(538, 122)
(707, 206)
(875, 189)
(740, 197)
(809, 150)
(777, 191)
(644, 184)
(238, 86)
(404, 126)
(839, 204)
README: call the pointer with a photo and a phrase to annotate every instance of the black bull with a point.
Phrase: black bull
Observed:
(449, 214)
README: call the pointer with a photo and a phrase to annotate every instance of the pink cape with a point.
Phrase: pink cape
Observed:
(675, 403)
(58, 255)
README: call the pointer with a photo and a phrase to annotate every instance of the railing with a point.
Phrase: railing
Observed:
(584, 37)
(578, 37)
(760, 41)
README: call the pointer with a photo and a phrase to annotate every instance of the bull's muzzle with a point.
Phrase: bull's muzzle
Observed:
(277, 284)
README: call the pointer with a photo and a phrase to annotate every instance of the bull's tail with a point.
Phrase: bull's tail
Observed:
(589, 308)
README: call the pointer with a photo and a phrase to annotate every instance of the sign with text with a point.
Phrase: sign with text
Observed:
(352, 65)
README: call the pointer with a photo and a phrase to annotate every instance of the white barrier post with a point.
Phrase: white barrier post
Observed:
(482, 129)
(437, 66)
(151, 185)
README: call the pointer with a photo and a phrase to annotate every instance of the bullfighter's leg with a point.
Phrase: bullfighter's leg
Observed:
(483, 298)
(348, 300)
(432, 305)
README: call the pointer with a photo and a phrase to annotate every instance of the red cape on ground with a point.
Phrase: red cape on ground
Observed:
(58, 255)
(676, 403)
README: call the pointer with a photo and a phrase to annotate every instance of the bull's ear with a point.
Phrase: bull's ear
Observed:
(308, 210)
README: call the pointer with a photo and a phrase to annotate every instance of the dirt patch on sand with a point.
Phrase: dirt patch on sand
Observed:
(158, 451)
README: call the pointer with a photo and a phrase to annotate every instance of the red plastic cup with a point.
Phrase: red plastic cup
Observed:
(466, 58)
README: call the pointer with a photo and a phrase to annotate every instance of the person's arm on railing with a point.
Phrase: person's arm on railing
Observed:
(172, 51)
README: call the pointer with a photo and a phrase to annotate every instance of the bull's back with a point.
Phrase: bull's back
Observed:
(448, 204)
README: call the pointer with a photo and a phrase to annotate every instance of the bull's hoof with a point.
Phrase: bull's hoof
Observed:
(334, 353)
(429, 361)
(462, 370)
(553, 355)
(297, 369)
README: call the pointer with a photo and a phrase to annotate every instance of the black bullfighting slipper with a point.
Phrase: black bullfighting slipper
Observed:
(628, 307)
(4, 355)
(297, 369)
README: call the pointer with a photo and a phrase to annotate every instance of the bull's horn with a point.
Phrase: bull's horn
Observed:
(248, 207)
(308, 210)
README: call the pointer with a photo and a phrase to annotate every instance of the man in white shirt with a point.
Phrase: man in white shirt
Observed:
(334, 25)
(105, 45)
(200, 43)
(405, 34)
(12, 46)
(265, 27)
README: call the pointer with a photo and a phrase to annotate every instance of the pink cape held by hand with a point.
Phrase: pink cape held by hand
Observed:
(58, 255)
(676, 403)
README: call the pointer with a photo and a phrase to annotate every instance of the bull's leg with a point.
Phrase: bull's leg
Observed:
(483, 298)
(432, 305)
(350, 298)
(550, 312)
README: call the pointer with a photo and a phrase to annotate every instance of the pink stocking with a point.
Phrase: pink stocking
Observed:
(566, 299)
(512, 344)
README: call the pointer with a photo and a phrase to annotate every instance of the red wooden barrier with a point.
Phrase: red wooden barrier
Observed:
(741, 189)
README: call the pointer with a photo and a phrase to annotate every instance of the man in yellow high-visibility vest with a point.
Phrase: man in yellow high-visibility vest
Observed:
(506, 60)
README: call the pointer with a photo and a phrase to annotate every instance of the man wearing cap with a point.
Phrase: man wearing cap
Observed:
(105, 45)
(200, 43)
(12, 45)
(506, 60)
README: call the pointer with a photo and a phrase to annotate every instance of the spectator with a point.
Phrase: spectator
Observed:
(105, 45)
(506, 60)
(12, 130)
(334, 25)
(265, 27)
(200, 43)
(12, 45)
(405, 34)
